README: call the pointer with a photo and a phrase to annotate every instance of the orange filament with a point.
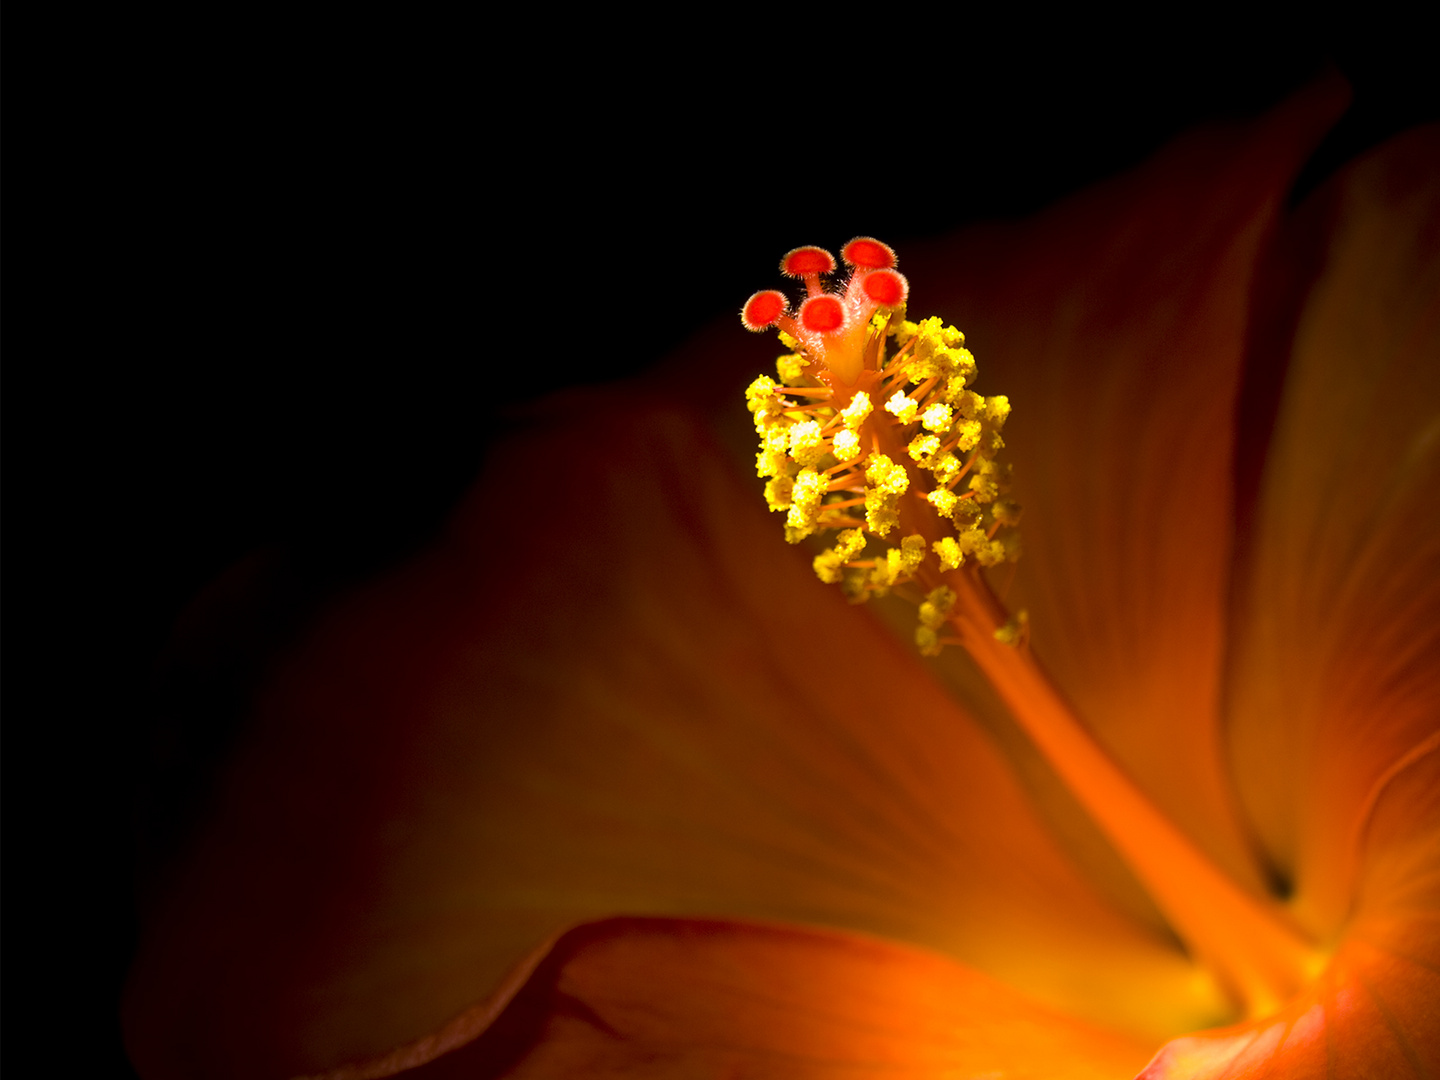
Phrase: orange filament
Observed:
(1243, 939)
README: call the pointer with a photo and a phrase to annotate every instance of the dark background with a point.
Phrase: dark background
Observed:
(277, 282)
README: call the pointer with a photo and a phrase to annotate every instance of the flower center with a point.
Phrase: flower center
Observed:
(874, 446)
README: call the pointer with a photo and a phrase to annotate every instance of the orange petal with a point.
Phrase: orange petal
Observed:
(611, 689)
(665, 998)
(1336, 672)
(1376, 1009)
(1116, 324)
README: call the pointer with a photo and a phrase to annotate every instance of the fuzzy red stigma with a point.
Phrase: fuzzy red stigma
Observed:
(763, 309)
(867, 253)
(887, 288)
(823, 314)
(807, 262)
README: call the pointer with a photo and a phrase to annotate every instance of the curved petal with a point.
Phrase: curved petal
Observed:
(610, 690)
(1116, 323)
(665, 998)
(1336, 668)
(1376, 1009)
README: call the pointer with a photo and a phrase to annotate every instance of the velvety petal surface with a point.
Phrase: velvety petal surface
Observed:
(1336, 670)
(1116, 323)
(1375, 1012)
(611, 689)
(668, 998)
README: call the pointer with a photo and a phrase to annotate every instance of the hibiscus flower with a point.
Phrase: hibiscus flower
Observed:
(606, 783)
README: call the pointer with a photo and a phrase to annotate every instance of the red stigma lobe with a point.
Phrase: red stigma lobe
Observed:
(822, 314)
(807, 262)
(763, 309)
(867, 253)
(887, 288)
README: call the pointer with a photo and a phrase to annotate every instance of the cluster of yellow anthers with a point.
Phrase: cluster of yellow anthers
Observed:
(875, 412)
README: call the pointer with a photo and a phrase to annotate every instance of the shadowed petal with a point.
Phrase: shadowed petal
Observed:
(610, 690)
(1116, 324)
(1336, 671)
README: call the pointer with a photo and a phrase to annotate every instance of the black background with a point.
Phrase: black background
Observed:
(270, 283)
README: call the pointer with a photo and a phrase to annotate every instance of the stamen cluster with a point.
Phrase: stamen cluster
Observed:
(898, 450)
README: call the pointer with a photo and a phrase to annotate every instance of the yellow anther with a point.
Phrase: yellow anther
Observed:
(903, 407)
(772, 459)
(771, 463)
(928, 641)
(886, 475)
(807, 445)
(984, 488)
(939, 602)
(946, 467)
(888, 481)
(759, 392)
(943, 500)
(937, 418)
(881, 512)
(912, 552)
(969, 404)
(1006, 512)
(950, 553)
(846, 445)
(851, 542)
(805, 495)
(997, 410)
(985, 551)
(828, 567)
(895, 565)
(791, 368)
(855, 413)
(967, 435)
(923, 447)
(777, 493)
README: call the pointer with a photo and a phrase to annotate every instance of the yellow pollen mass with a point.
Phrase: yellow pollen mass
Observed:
(803, 432)
(903, 407)
(851, 543)
(928, 641)
(946, 467)
(968, 435)
(846, 445)
(943, 500)
(997, 410)
(950, 553)
(912, 552)
(937, 418)
(777, 493)
(791, 368)
(855, 413)
(805, 495)
(923, 448)
(807, 445)
(939, 602)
